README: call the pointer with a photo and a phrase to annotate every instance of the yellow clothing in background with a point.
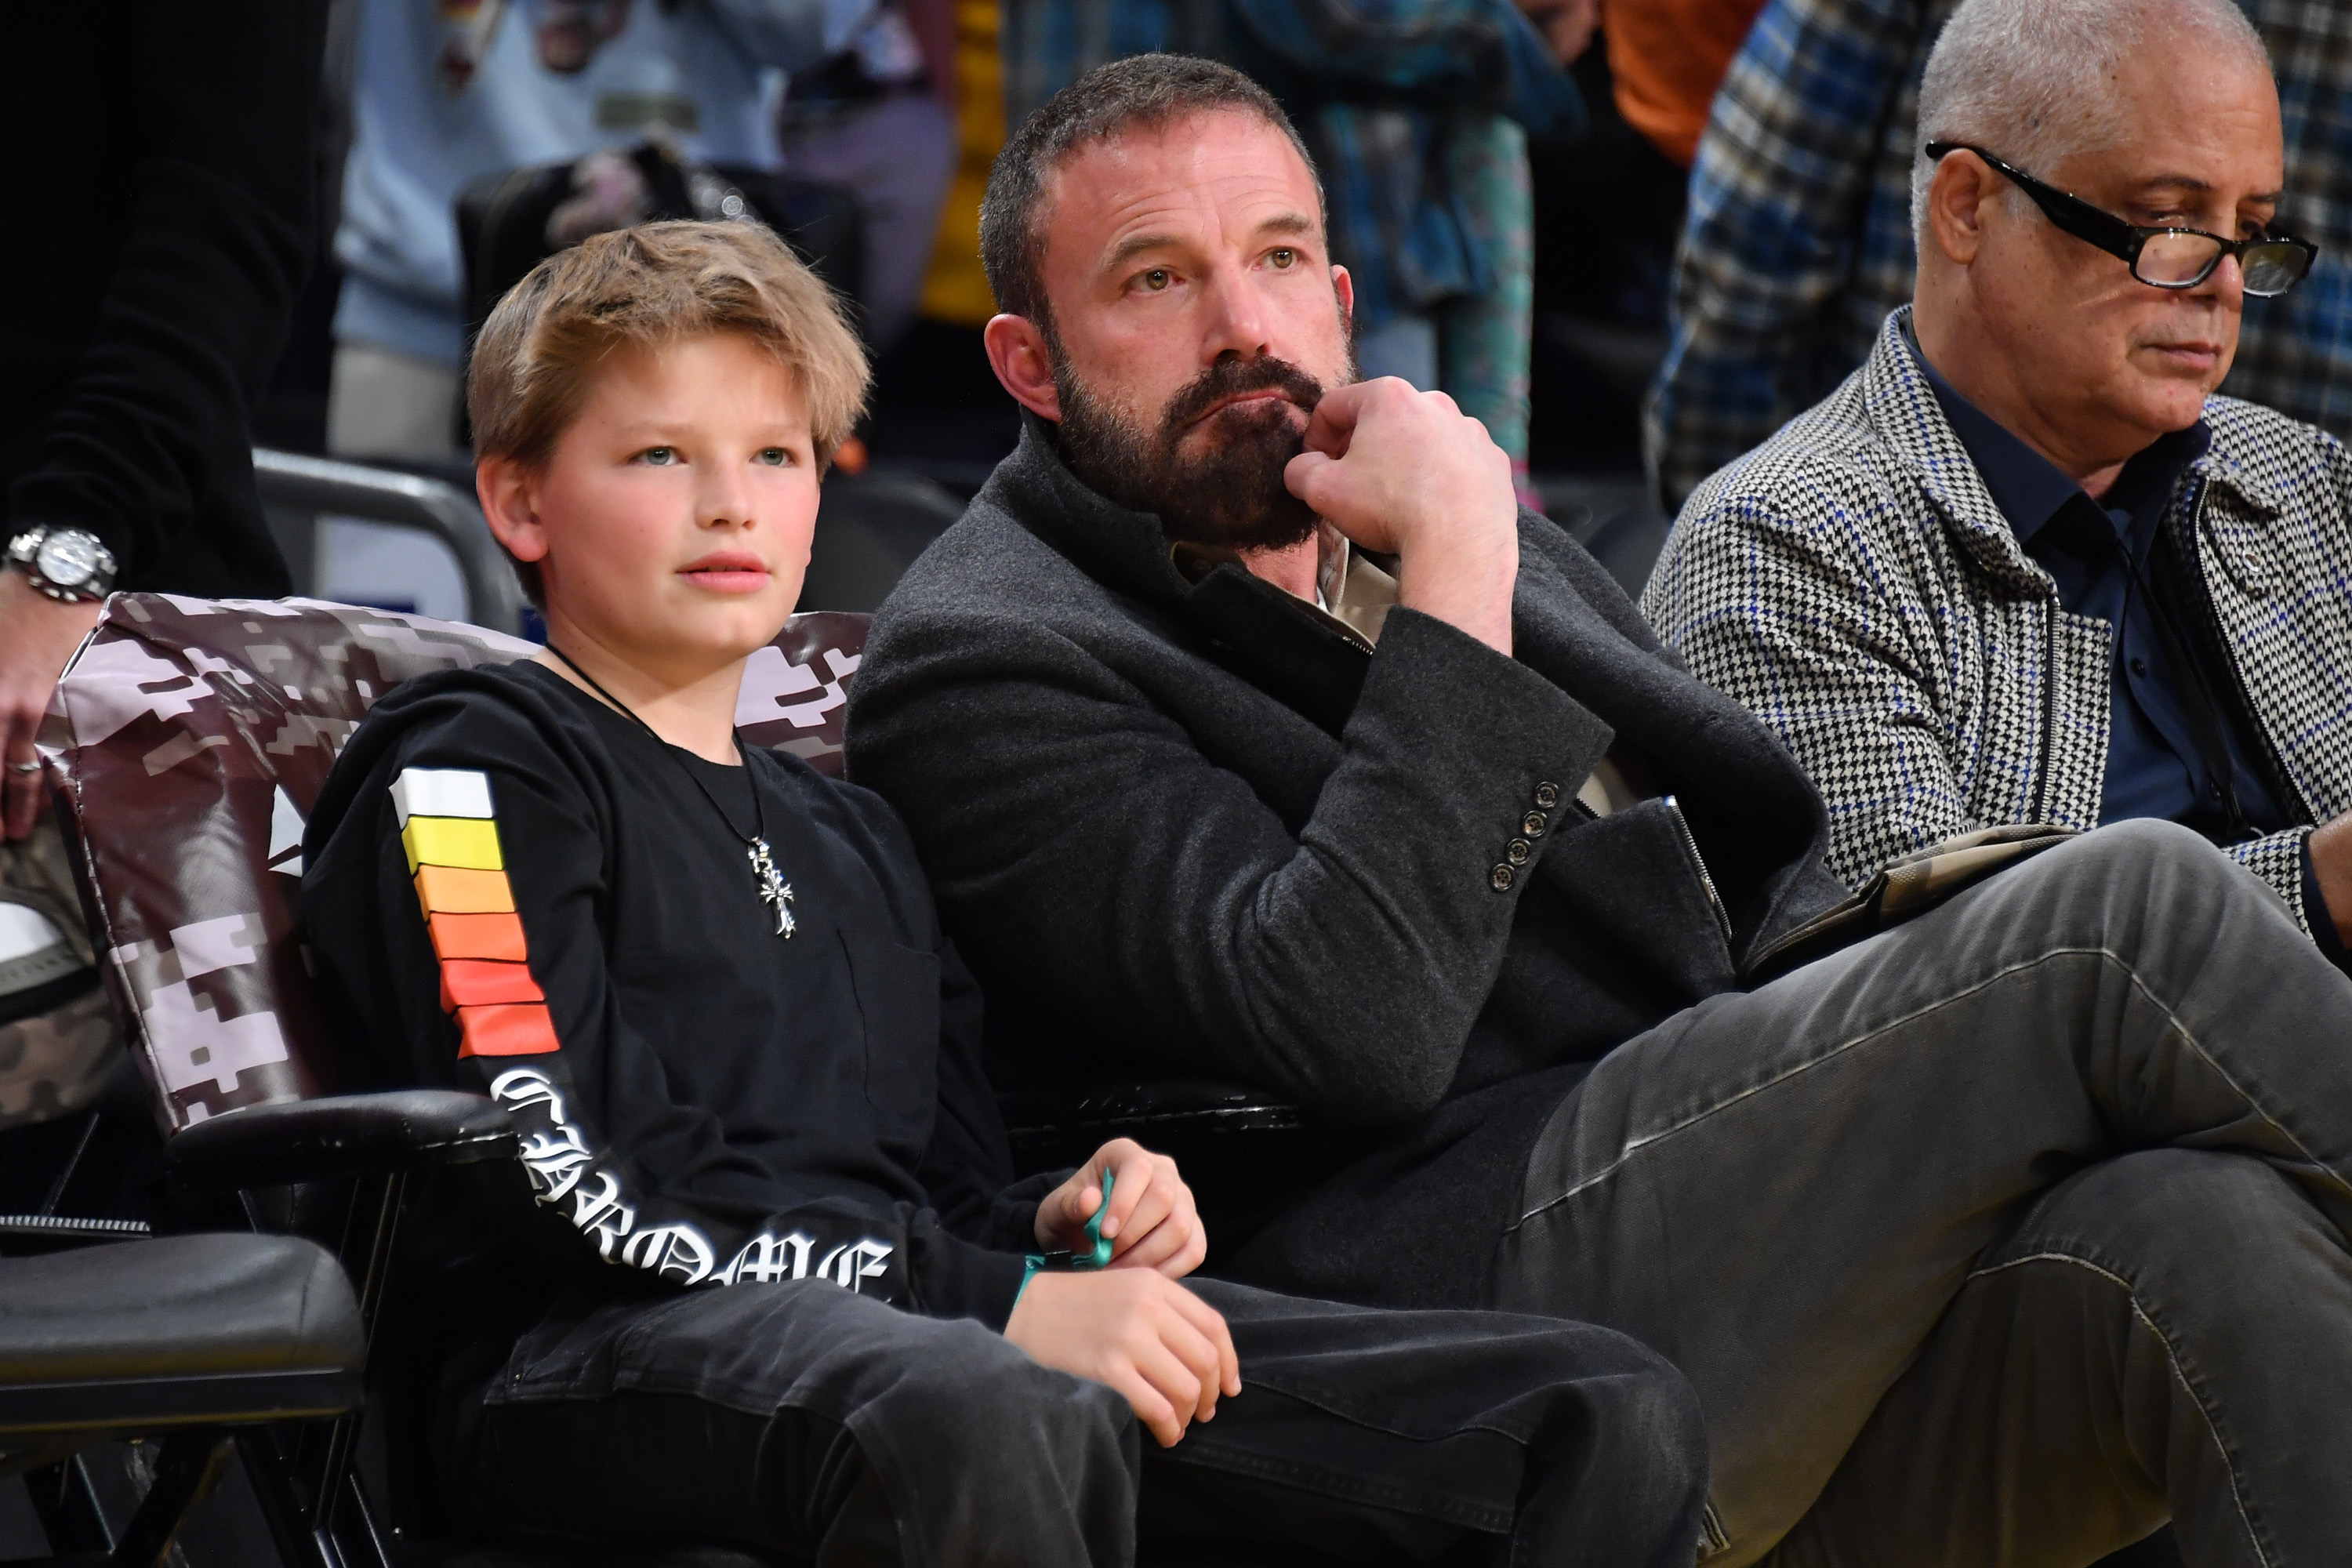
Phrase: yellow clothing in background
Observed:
(1668, 57)
(956, 289)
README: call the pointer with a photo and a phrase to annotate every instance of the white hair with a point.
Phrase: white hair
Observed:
(2031, 80)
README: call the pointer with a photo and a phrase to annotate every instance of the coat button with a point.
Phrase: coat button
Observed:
(1533, 824)
(1501, 877)
(1546, 796)
(1518, 851)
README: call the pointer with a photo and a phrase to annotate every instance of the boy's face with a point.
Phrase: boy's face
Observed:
(672, 524)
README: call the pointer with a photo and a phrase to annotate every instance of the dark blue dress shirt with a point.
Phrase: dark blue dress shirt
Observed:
(2155, 767)
(2089, 548)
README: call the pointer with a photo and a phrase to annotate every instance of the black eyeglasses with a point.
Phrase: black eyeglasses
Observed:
(2161, 258)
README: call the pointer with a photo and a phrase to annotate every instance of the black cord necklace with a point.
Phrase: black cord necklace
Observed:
(774, 891)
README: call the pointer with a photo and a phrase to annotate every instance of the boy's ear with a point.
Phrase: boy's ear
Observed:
(510, 497)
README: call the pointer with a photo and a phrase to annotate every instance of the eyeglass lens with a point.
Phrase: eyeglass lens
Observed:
(2183, 260)
(2177, 261)
(2273, 268)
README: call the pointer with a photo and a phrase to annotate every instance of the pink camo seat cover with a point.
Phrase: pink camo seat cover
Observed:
(187, 742)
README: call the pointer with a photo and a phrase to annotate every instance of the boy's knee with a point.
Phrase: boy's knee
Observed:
(1652, 1422)
(985, 1398)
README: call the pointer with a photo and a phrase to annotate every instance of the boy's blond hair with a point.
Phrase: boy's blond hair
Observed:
(657, 283)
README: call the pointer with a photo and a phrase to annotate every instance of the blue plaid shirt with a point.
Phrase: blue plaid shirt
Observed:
(1798, 241)
(1377, 87)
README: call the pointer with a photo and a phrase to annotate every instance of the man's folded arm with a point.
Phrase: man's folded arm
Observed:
(1079, 835)
(1780, 618)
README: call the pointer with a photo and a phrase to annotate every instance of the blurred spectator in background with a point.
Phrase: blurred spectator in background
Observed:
(1798, 242)
(163, 191)
(1418, 113)
(1668, 57)
(446, 90)
(936, 405)
(880, 120)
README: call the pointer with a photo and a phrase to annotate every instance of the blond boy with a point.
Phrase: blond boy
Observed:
(762, 1274)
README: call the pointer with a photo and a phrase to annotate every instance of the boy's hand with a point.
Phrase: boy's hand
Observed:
(1164, 1349)
(1152, 1223)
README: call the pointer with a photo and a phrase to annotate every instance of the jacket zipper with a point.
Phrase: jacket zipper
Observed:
(2042, 745)
(2246, 705)
(1714, 898)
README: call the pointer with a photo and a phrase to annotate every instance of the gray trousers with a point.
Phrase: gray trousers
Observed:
(1996, 1240)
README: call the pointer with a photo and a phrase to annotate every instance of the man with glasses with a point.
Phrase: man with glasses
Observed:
(2023, 566)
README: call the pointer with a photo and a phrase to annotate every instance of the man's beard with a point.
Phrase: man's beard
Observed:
(1228, 492)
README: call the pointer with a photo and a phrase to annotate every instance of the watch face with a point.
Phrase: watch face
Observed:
(66, 558)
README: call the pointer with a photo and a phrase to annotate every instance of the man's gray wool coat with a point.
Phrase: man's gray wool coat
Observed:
(1201, 824)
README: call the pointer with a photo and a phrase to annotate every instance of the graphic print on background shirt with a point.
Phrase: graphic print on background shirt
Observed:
(448, 829)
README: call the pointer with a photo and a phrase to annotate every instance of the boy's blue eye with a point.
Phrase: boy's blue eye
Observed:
(775, 456)
(659, 456)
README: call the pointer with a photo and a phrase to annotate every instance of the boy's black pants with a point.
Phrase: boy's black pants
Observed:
(805, 1420)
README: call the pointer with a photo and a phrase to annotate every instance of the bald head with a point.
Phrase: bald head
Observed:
(2037, 81)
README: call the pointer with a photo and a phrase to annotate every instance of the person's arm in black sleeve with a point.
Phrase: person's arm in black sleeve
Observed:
(519, 1000)
(152, 430)
(967, 1170)
(219, 235)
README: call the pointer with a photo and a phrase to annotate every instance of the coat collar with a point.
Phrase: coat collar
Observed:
(1123, 549)
(1904, 415)
(1308, 659)
(1907, 416)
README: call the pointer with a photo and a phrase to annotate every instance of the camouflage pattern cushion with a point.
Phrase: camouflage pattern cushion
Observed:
(188, 741)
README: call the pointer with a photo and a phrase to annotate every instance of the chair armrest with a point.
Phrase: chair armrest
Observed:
(344, 1135)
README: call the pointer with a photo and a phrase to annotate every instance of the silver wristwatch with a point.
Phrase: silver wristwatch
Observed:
(66, 563)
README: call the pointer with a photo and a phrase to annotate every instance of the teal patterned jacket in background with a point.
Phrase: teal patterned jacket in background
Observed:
(1417, 111)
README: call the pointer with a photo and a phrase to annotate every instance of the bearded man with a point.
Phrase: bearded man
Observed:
(1245, 723)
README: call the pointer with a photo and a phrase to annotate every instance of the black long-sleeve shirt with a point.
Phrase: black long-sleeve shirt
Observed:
(513, 889)
(162, 191)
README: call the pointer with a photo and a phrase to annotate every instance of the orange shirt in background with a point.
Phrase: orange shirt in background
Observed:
(1668, 57)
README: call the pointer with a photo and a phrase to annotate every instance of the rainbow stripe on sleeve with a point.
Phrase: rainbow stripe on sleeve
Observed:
(451, 835)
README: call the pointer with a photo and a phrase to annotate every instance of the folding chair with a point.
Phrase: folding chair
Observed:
(197, 1340)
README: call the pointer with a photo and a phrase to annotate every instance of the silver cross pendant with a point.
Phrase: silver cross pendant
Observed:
(774, 891)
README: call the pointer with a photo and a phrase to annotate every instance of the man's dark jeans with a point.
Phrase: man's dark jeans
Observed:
(801, 1419)
(1998, 1237)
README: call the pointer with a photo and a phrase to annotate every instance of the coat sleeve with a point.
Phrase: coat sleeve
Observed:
(1078, 831)
(1784, 618)
(156, 415)
(1777, 199)
(482, 868)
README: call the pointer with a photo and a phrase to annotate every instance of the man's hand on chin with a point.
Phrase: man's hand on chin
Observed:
(1407, 473)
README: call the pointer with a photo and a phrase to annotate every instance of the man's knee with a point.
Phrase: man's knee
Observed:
(2180, 1220)
(2142, 849)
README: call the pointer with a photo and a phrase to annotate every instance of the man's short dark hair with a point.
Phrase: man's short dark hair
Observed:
(1143, 92)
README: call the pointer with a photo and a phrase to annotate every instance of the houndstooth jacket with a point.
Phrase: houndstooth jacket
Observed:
(1852, 581)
